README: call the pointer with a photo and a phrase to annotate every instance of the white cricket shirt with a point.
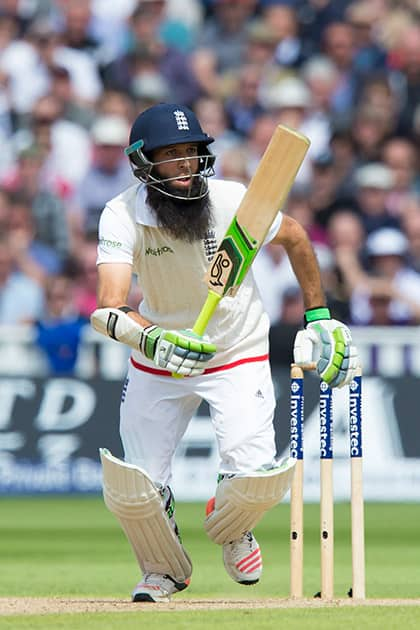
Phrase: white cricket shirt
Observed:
(170, 271)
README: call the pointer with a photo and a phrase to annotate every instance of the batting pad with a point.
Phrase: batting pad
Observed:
(131, 495)
(242, 501)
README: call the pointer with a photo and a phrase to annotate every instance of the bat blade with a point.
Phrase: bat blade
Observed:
(265, 196)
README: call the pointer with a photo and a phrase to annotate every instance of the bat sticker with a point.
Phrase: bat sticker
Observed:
(234, 257)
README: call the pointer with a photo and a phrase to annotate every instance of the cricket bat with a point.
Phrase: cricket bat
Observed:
(265, 196)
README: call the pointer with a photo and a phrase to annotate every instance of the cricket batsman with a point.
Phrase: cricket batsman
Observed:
(165, 230)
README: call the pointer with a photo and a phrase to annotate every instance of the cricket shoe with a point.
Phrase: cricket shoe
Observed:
(243, 560)
(157, 588)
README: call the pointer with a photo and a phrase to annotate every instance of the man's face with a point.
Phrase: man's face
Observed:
(181, 209)
(177, 163)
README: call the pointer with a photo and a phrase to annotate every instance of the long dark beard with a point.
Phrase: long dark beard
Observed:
(186, 220)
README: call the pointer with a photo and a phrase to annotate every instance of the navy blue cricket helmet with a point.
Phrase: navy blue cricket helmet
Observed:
(163, 125)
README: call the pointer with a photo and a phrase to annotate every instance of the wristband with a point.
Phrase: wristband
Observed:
(314, 314)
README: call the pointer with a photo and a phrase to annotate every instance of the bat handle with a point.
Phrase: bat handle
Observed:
(204, 316)
(206, 312)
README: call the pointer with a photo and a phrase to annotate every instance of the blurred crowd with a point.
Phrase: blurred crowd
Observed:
(75, 73)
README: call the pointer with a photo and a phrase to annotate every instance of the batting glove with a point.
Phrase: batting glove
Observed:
(178, 351)
(329, 342)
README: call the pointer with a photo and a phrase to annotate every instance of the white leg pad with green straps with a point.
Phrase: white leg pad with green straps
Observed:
(242, 501)
(131, 495)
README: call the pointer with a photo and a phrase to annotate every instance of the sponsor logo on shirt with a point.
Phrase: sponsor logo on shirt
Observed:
(159, 251)
(107, 243)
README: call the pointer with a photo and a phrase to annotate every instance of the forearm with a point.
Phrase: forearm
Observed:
(304, 262)
(305, 266)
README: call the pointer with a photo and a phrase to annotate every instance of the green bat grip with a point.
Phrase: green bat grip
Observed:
(206, 312)
(204, 317)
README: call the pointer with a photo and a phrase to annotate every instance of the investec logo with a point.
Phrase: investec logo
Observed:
(159, 251)
(355, 420)
(296, 428)
(325, 422)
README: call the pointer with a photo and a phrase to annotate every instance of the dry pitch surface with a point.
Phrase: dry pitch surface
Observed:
(46, 605)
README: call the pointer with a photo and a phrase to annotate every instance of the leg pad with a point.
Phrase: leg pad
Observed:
(241, 501)
(132, 497)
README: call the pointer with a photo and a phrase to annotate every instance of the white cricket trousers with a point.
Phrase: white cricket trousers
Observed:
(155, 412)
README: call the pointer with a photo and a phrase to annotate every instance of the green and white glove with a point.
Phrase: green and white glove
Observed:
(178, 351)
(329, 343)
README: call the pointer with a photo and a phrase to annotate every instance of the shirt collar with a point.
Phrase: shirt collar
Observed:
(144, 213)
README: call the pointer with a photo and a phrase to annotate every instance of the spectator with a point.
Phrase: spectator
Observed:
(323, 191)
(299, 207)
(148, 53)
(401, 156)
(72, 110)
(51, 51)
(346, 238)
(76, 32)
(282, 20)
(66, 145)
(287, 102)
(243, 106)
(373, 183)
(273, 273)
(19, 66)
(369, 57)
(21, 298)
(148, 89)
(283, 333)
(345, 231)
(31, 257)
(212, 116)
(370, 128)
(407, 54)
(379, 95)
(411, 225)
(109, 26)
(225, 32)
(339, 46)
(233, 165)
(108, 174)
(344, 156)
(115, 103)
(390, 277)
(316, 16)
(321, 77)
(60, 328)
(258, 138)
(260, 48)
(84, 296)
(48, 211)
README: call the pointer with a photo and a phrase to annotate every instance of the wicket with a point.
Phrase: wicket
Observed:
(326, 486)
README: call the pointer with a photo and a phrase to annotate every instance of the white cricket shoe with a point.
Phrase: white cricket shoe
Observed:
(243, 560)
(157, 588)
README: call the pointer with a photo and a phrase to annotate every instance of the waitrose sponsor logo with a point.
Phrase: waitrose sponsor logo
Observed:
(108, 243)
(158, 251)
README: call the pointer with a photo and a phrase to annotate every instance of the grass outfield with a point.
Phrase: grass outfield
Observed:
(73, 548)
